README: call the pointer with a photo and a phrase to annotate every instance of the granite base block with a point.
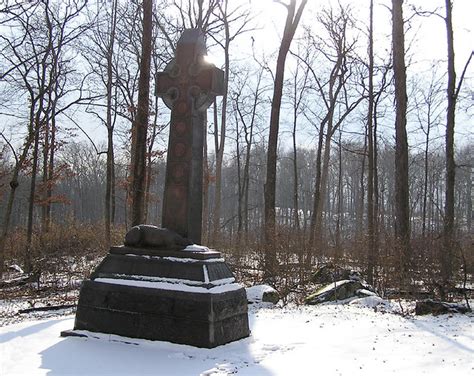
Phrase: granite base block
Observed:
(198, 319)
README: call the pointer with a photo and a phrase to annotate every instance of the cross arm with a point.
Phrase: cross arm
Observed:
(211, 79)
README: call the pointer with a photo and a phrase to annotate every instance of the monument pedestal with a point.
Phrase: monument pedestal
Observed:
(183, 297)
(152, 288)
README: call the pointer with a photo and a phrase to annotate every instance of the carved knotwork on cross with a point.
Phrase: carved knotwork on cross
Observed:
(188, 86)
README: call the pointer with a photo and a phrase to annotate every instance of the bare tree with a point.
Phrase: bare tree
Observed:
(292, 20)
(99, 53)
(109, 206)
(371, 214)
(157, 127)
(246, 99)
(339, 99)
(452, 92)
(34, 50)
(238, 18)
(300, 85)
(428, 107)
(198, 14)
(446, 263)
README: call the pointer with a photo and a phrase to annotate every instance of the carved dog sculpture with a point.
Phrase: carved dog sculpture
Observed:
(148, 236)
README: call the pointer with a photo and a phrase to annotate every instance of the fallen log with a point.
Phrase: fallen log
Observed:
(47, 308)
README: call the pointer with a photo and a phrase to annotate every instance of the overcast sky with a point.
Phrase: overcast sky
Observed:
(428, 33)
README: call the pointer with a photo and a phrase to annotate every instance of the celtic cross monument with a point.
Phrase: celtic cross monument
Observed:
(160, 285)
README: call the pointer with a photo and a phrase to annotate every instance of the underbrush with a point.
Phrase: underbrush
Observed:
(67, 254)
(297, 263)
(60, 260)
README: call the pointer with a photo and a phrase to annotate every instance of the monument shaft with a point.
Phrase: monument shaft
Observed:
(182, 201)
(188, 86)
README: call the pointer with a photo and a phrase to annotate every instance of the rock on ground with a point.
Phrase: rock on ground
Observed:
(262, 293)
(426, 307)
(339, 290)
(328, 273)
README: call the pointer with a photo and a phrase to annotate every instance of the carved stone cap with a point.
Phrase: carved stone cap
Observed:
(195, 37)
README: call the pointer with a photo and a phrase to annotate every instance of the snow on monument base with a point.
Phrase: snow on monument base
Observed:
(191, 299)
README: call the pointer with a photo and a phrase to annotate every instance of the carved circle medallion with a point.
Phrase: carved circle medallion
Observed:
(179, 194)
(178, 172)
(182, 107)
(180, 127)
(179, 149)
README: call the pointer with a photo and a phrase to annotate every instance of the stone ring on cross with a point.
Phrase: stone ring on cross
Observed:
(202, 99)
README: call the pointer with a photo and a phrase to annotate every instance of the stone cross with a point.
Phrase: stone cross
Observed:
(188, 86)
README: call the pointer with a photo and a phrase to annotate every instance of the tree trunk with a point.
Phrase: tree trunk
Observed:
(469, 200)
(446, 262)
(45, 178)
(149, 166)
(323, 188)
(361, 196)
(425, 179)
(110, 127)
(317, 188)
(31, 198)
(339, 193)
(249, 130)
(140, 124)
(11, 197)
(240, 184)
(50, 137)
(402, 214)
(221, 143)
(246, 177)
(295, 159)
(370, 157)
(51, 164)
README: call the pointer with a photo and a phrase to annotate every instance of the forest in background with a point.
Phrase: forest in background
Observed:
(338, 163)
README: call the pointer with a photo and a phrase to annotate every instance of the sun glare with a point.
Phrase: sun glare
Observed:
(209, 59)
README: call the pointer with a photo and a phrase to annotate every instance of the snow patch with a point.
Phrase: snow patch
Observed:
(365, 292)
(157, 279)
(292, 340)
(222, 369)
(370, 302)
(222, 281)
(196, 248)
(255, 293)
(135, 277)
(16, 268)
(206, 274)
(331, 286)
(176, 259)
(171, 286)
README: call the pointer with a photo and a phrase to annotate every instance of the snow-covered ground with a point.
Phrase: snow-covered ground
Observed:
(323, 340)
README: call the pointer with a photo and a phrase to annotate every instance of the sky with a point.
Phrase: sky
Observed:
(425, 41)
(430, 31)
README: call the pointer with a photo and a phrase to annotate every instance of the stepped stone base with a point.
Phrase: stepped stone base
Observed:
(177, 296)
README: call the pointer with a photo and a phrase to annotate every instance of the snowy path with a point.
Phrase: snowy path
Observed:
(323, 340)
